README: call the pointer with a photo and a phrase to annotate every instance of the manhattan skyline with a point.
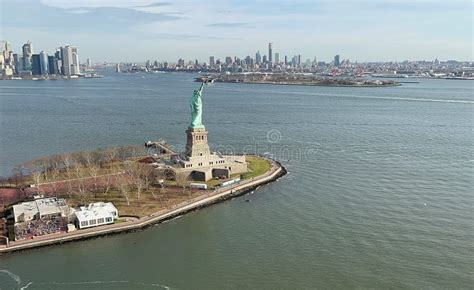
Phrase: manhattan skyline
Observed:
(135, 31)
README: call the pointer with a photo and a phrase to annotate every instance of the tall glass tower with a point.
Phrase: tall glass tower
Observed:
(270, 52)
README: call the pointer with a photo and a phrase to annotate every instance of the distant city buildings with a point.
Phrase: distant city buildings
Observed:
(64, 62)
(294, 64)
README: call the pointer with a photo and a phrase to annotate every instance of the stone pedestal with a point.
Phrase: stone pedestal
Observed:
(196, 143)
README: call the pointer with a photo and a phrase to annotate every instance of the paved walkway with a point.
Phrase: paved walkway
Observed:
(181, 208)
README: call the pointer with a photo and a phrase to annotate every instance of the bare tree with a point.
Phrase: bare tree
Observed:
(123, 187)
(17, 174)
(109, 179)
(37, 177)
(141, 176)
(110, 155)
(81, 183)
(54, 175)
(94, 172)
(133, 171)
(88, 159)
(68, 163)
(182, 180)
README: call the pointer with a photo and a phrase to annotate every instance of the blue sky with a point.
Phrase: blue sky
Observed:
(360, 30)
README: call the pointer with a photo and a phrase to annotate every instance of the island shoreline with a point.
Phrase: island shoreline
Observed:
(276, 171)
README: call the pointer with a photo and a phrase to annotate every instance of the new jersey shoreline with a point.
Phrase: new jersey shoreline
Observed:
(209, 198)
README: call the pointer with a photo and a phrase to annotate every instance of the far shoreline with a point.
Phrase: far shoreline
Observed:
(295, 80)
(314, 85)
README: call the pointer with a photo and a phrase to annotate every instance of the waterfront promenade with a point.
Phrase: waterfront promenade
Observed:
(208, 198)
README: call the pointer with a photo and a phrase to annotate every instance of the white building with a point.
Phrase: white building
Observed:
(70, 60)
(96, 214)
(41, 208)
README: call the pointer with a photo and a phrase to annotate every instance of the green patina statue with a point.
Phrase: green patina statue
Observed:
(196, 109)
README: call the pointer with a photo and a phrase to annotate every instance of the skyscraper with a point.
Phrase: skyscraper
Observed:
(35, 64)
(43, 63)
(16, 63)
(212, 62)
(294, 61)
(258, 57)
(58, 58)
(277, 57)
(336, 60)
(70, 60)
(75, 61)
(248, 60)
(27, 54)
(8, 54)
(270, 52)
(66, 61)
(52, 65)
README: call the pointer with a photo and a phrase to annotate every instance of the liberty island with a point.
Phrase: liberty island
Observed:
(141, 189)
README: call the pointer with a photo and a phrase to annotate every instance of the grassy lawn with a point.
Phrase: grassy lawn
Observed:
(213, 183)
(257, 166)
(147, 204)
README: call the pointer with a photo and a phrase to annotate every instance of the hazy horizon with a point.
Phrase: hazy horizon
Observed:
(136, 31)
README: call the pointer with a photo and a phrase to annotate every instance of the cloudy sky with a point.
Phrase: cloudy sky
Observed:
(137, 30)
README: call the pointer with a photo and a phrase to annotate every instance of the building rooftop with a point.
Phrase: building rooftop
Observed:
(49, 206)
(95, 211)
(86, 214)
(27, 209)
(42, 207)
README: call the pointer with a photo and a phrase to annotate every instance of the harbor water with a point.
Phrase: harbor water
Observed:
(380, 190)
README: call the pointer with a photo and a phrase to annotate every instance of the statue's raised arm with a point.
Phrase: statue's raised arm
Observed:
(201, 88)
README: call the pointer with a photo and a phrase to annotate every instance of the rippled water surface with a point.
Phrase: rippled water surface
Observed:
(379, 194)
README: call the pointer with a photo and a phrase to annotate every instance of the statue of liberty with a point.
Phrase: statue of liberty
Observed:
(196, 108)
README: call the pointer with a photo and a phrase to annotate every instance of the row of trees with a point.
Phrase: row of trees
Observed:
(92, 173)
